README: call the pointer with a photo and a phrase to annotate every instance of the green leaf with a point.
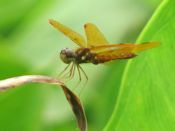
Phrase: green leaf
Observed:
(146, 99)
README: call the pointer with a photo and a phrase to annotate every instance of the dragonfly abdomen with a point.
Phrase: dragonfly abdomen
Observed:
(108, 57)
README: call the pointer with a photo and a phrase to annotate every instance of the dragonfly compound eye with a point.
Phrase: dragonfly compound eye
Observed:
(67, 55)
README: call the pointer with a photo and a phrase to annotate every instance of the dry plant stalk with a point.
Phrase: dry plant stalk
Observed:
(73, 100)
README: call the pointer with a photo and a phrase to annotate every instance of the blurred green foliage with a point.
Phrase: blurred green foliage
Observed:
(29, 45)
(146, 101)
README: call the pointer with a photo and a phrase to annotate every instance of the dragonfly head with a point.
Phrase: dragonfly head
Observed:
(67, 55)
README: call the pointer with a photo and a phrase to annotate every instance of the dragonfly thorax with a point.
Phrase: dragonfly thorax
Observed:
(67, 55)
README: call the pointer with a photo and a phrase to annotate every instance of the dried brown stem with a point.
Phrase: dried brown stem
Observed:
(73, 100)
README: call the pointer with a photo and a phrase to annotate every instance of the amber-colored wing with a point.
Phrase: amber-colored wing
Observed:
(121, 51)
(75, 37)
(94, 36)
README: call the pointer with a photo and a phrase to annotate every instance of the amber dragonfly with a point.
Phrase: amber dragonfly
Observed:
(95, 49)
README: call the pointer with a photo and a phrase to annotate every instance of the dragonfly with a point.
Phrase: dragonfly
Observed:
(95, 49)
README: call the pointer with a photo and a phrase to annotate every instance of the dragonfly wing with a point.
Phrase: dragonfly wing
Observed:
(75, 37)
(94, 36)
(135, 48)
(110, 48)
(121, 51)
(144, 46)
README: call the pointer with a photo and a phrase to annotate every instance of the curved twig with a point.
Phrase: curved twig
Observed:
(73, 100)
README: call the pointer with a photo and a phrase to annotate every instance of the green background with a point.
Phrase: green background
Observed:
(134, 95)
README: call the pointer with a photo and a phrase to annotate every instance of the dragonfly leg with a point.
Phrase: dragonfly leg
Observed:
(72, 71)
(81, 69)
(67, 75)
(79, 72)
(83, 72)
(61, 73)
